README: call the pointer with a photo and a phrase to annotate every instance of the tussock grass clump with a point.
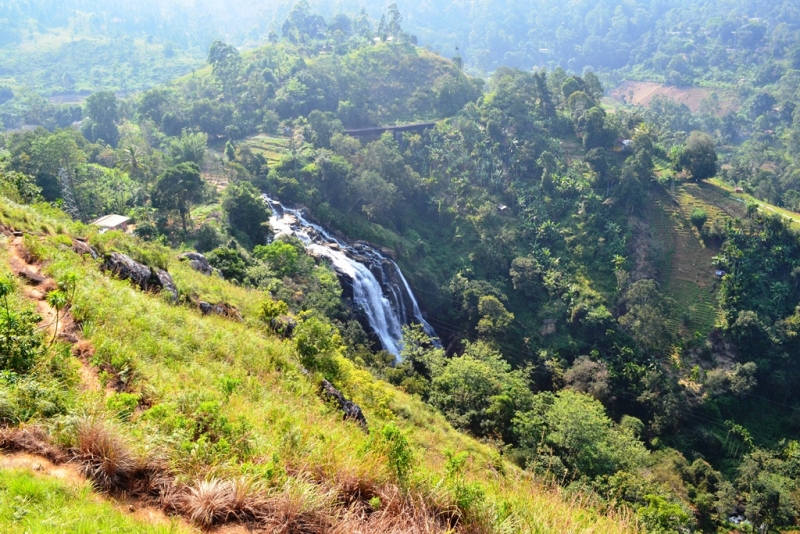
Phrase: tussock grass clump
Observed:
(104, 456)
(393, 512)
(108, 460)
(208, 503)
(300, 506)
(297, 506)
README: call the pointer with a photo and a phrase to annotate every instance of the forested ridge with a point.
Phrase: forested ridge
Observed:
(614, 287)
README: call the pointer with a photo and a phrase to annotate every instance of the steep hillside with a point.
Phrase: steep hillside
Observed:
(179, 409)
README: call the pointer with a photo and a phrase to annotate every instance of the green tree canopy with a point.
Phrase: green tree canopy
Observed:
(177, 189)
(574, 428)
(699, 156)
(247, 212)
(281, 256)
(480, 392)
(103, 115)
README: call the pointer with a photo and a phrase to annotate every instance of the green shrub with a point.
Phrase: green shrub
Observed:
(316, 342)
(123, 404)
(467, 495)
(23, 399)
(282, 257)
(229, 262)
(270, 309)
(209, 236)
(699, 218)
(20, 341)
(393, 443)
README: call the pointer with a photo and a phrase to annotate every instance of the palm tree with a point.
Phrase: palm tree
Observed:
(132, 161)
(57, 300)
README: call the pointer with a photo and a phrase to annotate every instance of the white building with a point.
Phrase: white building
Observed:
(112, 222)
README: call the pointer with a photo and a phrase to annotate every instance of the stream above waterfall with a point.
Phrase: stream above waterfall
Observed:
(380, 291)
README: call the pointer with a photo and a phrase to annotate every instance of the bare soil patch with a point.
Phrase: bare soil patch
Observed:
(642, 93)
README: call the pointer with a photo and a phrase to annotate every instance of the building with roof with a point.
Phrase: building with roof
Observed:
(112, 222)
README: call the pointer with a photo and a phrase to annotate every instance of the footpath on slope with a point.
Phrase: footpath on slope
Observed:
(35, 287)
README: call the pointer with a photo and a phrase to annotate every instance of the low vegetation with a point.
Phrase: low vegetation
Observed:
(224, 426)
(614, 296)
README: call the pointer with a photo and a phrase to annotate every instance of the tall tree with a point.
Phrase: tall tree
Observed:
(247, 212)
(177, 189)
(102, 110)
(226, 64)
(699, 156)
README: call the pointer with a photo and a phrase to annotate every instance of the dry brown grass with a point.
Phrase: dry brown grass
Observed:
(300, 506)
(398, 513)
(104, 456)
(32, 440)
(297, 506)
(83, 350)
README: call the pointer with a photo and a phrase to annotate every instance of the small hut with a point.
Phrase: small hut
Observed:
(112, 222)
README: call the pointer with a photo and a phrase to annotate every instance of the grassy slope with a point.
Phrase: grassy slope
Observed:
(270, 146)
(32, 504)
(178, 359)
(726, 193)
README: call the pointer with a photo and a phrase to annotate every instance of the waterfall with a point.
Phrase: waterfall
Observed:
(379, 288)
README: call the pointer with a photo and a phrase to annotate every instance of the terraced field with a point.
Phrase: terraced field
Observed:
(272, 147)
(726, 193)
(689, 275)
(721, 199)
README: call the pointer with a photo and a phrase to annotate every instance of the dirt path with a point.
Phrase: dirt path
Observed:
(35, 287)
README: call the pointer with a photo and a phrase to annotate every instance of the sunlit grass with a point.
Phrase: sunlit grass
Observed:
(33, 504)
(269, 423)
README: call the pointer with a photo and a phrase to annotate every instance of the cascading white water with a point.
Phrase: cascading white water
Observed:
(385, 302)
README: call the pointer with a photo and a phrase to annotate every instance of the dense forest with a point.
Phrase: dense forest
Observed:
(614, 287)
(48, 45)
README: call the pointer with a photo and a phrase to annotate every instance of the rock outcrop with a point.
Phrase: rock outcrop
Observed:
(221, 309)
(198, 262)
(31, 277)
(147, 279)
(127, 268)
(82, 247)
(167, 283)
(352, 411)
(283, 325)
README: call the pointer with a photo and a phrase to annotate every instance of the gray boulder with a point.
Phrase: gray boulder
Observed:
(84, 248)
(220, 309)
(127, 268)
(147, 279)
(283, 326)
(198, 262)
(352, 411)
(167, 283)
